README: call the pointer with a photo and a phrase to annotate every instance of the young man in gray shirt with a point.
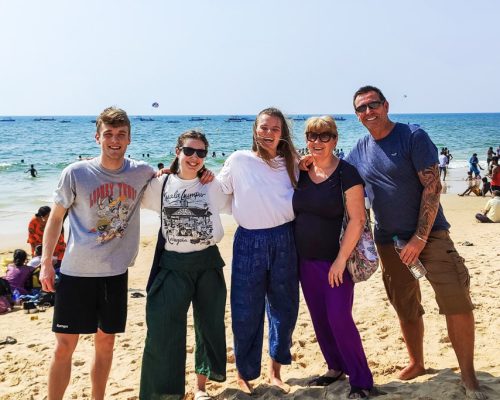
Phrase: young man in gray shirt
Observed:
(102, 197)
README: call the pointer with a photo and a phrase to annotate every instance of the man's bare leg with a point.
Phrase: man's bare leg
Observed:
(413, 334)
(461, 333)
(275, 376)
(60, 366)
(101, 365)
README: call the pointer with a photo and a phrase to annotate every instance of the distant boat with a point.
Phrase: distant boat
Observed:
(234, 119)
(7, 120)
(146, 119)
(199, 119)
(339, 118)
(299, 118)
(93, 121)
(65, 121)
(247, 119)
(44, 119)
(173, 121)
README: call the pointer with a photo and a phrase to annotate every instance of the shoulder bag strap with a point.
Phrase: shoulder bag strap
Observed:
(160, 244)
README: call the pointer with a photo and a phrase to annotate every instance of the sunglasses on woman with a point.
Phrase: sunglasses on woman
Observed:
(372, 106)
(189, 151)
(323, 137)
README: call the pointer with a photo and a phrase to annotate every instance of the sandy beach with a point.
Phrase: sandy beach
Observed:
(24, 365)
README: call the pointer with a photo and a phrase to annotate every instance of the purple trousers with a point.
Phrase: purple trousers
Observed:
(331, 314)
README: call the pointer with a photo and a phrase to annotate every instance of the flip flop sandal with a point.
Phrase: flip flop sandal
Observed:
(8, 340)
(325, 380)
(136, 295)
(358, 393)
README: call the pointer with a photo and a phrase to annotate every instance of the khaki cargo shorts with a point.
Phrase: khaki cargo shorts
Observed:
(446, 272)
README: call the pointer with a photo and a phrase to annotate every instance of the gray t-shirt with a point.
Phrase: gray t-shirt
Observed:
(104, 216)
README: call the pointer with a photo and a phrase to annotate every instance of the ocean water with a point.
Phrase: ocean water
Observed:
(52, 144)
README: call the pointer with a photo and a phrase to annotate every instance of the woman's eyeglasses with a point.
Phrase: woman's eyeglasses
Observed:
(372, 106)
(189, 151)
(323, 137)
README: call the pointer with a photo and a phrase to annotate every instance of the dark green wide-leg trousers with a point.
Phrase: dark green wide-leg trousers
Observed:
(184, 278)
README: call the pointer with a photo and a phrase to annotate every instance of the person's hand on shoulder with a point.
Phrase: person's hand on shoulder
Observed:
(305, 162)
(162, 171)
(206, 176)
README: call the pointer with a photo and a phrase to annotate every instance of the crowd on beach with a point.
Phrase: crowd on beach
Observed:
(20, 282)
(301, 216)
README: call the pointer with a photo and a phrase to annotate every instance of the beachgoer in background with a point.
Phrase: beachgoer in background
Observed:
(495, 174)
(190, 272)
(474, 165)
(443, 164)
(491, 212)
(36, 228)
(18, 272)
(489, 156)
(32, 171)
(486, 187)
(472, 186)
(160, 166)
(36, 261)
(103, 198)
(326, 283)
(450, 157)
(399, 165)
(264, 267)
(341, 154)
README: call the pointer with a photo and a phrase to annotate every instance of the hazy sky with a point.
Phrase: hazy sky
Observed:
(70, 57)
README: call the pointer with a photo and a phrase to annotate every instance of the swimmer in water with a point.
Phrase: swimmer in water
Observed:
(33, 171)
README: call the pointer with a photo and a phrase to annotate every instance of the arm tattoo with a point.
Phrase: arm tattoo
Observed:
(429, 203)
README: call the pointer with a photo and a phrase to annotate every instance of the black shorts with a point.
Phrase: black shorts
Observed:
(84, 304)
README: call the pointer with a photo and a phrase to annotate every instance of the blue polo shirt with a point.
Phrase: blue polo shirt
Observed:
(389, 167)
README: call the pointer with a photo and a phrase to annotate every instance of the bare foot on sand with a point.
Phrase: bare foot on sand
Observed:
(285, 388)
(275, 376)
(244, 385)
(411, 371)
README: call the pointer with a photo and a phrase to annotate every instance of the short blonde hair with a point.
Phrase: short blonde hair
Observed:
(321, 124)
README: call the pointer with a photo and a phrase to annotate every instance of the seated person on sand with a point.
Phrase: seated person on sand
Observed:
(18, 272)
(36, 261)
(486, 187)
(491, 212)
(473, 186)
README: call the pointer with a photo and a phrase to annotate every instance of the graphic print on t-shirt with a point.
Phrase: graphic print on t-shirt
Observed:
(186, 218)
(112, 202)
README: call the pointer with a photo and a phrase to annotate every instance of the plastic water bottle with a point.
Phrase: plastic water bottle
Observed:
(15, 297)
(416, 268)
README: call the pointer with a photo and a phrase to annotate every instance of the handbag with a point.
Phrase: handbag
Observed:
(160, 245)
(363, 261)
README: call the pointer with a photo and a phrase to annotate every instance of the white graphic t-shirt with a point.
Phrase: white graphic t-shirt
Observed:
(190, 214)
